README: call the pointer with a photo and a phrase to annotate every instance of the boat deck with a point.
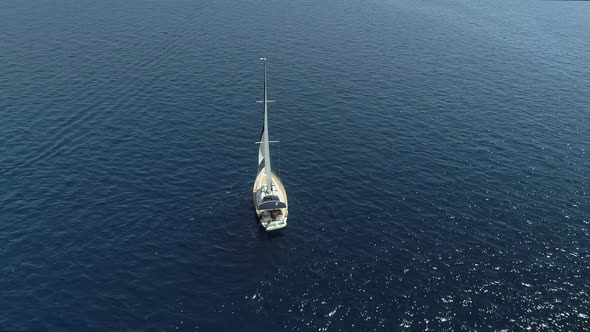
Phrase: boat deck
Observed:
(279, 191)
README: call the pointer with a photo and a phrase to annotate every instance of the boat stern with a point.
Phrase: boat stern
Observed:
(273, 225)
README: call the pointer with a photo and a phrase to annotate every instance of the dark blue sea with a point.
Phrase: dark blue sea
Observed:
(435, 154)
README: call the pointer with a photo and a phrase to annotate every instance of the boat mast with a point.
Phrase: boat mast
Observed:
(265, 140)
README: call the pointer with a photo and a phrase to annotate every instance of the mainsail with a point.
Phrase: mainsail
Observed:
(264, 150)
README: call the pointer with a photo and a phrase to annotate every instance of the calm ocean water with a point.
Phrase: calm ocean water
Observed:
(436, 156)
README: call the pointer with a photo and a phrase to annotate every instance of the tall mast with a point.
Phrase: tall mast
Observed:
(265, 140)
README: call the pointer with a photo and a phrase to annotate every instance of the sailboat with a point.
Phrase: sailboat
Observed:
(270, 197)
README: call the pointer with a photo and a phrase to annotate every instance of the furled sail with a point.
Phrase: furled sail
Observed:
(264, 150)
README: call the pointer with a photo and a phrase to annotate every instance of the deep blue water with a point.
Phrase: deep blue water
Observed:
(434, 153)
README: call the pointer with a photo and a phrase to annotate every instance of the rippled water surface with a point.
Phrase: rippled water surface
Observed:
(435, 154)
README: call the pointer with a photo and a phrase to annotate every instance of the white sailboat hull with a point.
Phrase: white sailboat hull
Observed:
(270, 219)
